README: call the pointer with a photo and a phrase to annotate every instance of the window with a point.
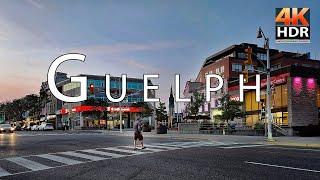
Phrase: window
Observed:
(275, 67)
(236, 67)
(262, 57)
(222, 69)
(217, 71)
(242, 55)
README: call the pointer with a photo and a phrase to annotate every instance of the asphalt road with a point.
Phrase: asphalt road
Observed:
(56, 155)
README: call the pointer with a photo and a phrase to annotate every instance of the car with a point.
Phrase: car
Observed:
(6, 128)
(34, 128)
(45, 127)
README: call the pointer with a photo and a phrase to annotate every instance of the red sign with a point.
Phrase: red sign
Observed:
(110, 109)
(275, 80)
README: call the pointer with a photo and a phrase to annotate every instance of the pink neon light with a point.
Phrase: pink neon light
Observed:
(297, 85)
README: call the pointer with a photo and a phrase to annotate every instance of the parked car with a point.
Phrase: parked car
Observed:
(6, 128)
(34, 128)
(45, 127)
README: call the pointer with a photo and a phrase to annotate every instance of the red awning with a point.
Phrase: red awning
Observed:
(102, 108)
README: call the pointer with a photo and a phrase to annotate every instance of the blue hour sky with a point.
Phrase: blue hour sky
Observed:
(132, 37)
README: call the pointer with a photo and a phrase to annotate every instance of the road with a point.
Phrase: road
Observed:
(58, 155)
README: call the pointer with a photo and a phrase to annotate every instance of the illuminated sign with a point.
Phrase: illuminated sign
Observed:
(110, 109)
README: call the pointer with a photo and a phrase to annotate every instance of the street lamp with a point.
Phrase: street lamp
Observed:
(266, 46)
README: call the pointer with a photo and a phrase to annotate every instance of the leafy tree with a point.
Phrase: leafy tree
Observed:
(14, 110)
(231, 109)
(161, 112)
(197, 100)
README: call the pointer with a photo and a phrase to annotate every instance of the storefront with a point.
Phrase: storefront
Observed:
(295, 100)
(98, 117)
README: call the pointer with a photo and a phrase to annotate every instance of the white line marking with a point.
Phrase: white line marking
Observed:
(59, 159)
(298, 149)
(103, 153)
(84, 156)
(124, 150)
(4, 172)
(244, 146)
(285, 167)
(149, 149)
(164, 147)
(34, 166)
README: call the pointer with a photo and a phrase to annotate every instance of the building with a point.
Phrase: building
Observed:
(286, 69)
(51, 104)
(171, 114)
(97, 111)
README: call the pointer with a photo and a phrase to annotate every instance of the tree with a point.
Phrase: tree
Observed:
(30, 105)
(231, 109)
(197, 101)
(161, 113)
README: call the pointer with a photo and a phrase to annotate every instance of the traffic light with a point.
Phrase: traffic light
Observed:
(249, 56)
(245, 76)
(91, 89)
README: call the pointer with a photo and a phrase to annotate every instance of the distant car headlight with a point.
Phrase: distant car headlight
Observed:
(1, 129)
(12, 129)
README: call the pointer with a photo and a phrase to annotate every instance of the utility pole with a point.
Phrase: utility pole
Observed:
(266, 46)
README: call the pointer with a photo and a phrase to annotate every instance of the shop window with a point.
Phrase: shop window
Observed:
(277, 96)
(255, 104)
(284, 97)
(248, 101)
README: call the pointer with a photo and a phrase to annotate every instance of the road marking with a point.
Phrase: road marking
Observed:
(4, 172)
(103, 153)
(34, 166)
(284, 167)
(124, 150)
(59, 159)
(165, 147)
(244, 146)
(298, 149)
(84, 156)
(148, 149)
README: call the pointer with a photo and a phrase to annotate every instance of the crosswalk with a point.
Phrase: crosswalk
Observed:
(45, 161)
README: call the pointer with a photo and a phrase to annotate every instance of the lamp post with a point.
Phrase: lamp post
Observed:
(266, 46)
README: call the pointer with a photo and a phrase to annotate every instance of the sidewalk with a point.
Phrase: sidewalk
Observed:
(306, 142)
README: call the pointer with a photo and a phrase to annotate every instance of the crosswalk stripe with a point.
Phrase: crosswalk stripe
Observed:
(84, 156)
(102, 153)
(148, 149)
(124, 150)
(243, 146)
(4, 172)
(166, 147)
(32, 165)
(59, 159)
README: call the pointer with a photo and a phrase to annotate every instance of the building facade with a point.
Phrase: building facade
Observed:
(290, 72)
(98, 111)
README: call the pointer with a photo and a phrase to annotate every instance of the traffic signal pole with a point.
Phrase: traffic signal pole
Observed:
(266, 46)
(269, 93)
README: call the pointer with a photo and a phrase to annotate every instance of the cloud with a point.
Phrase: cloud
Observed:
(120, 48)
(141, 66)
(36, 3)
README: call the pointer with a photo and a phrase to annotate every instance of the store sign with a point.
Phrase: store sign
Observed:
(235, 98)
(275, 80)
(110, 109)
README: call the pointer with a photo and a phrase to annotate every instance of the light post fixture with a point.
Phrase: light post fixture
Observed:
(266, 46)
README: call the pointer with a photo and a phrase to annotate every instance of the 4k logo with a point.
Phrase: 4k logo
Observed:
(292, 25)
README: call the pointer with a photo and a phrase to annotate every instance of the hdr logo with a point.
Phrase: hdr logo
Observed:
(292, 25)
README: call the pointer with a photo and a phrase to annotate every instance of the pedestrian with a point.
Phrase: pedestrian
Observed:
(137, 127)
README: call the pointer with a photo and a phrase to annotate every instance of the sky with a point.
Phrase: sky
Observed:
(165, 37)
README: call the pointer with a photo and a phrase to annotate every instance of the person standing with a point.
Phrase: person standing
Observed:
(137, 127)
